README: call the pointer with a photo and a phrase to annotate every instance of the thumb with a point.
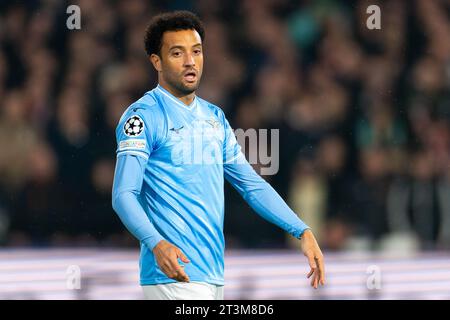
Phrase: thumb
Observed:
(183, 257)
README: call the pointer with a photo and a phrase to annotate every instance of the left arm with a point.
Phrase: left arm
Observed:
(267, 202)
(261, 196)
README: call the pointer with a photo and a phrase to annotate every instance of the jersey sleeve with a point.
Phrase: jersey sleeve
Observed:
(263, 198)
(128, 178)
(137, 135)
(259, 194)
(136, 132)
(231, 148)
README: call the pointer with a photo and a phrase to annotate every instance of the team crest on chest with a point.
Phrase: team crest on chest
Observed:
(134, 126)
(213, 123)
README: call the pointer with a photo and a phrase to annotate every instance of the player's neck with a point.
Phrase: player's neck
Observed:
(185, 99)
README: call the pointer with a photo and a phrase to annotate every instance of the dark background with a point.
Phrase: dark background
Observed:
(363, 116)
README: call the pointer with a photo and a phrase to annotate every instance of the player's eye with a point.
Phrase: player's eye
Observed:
(197, 51)
(176, 53)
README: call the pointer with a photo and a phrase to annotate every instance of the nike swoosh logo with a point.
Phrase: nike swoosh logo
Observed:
(177, 130)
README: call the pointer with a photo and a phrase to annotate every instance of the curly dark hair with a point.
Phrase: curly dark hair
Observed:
(170, 21)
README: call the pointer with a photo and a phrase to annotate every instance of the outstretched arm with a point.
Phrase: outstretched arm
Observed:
(268, 204)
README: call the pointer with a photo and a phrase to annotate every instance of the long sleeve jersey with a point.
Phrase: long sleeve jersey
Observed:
(172, 159)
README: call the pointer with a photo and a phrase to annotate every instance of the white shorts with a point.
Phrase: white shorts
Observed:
(183, 291)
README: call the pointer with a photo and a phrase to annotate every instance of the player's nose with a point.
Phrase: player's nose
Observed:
(189, 60)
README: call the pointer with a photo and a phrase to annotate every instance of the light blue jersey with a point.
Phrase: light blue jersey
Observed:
(169, 183)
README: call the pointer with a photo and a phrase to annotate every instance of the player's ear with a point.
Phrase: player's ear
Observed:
(156, 61)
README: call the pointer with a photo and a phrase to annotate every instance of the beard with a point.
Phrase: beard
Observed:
(182, 88)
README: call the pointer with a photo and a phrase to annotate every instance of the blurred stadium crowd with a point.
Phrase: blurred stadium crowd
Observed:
(363, 115)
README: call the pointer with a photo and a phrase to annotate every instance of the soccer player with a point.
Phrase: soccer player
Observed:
(169, 188)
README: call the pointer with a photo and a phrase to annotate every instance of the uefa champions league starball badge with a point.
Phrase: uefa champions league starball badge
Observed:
(133, 126)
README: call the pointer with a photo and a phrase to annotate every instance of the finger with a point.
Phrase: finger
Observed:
(164, 268)
(321, 270)
(322, 275)
(169, 267)
(173, 274)
(183, 257)
(312, 261)
(312, 280)
(168, 272)
(171, 271)
(315, 279)
(181, 275)
(310, 273)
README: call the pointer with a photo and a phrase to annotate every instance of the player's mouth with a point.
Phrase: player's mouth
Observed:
(190, 76)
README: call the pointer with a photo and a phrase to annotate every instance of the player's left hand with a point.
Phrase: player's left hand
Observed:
(312, 251)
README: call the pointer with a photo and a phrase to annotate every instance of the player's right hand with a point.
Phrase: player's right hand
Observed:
(167, 255)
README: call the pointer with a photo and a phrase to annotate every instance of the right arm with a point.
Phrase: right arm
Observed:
(127, 185)
(132, 156)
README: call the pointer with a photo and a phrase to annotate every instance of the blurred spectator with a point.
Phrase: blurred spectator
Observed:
(99, 220)
(339, 219)
(419, 203)
(40, 212)
(364, 115)
(370, 193)
(16, 138)
(380, 129)
(308, 197)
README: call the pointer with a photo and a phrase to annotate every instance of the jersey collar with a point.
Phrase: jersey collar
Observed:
(175, 99)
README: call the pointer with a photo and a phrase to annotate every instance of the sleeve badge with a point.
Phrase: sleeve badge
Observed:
(133, 127)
